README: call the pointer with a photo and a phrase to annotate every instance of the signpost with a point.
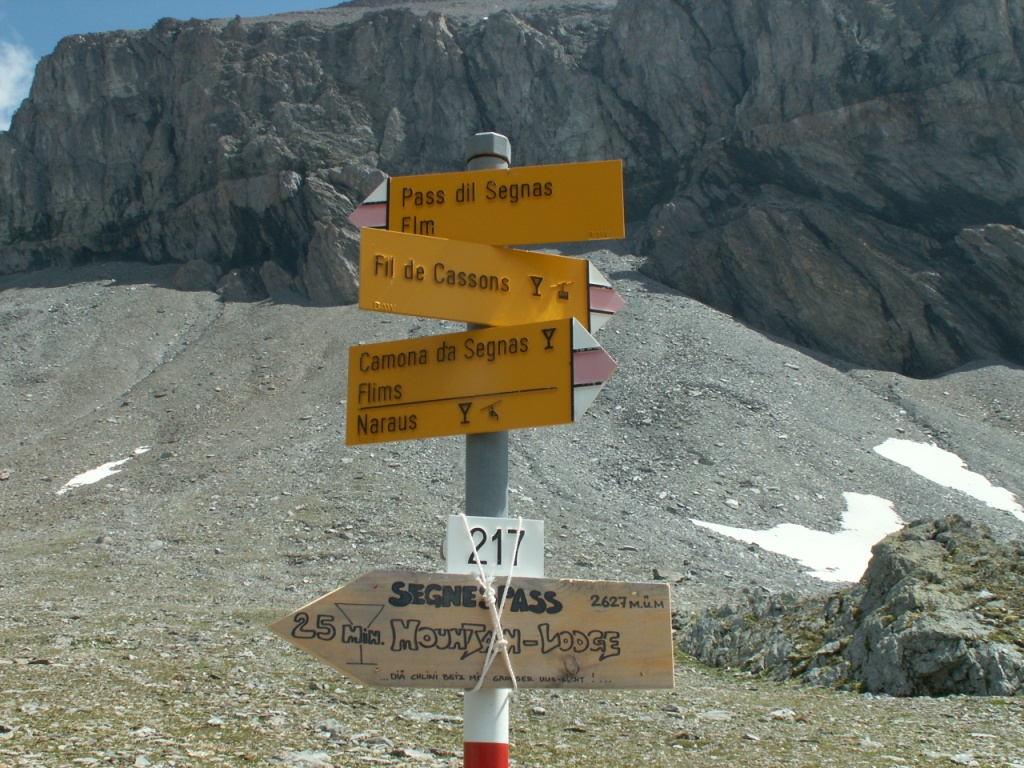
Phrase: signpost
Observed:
(505, 206)
(432, 630)
(487, 380)
(477, 283)
(526, 360)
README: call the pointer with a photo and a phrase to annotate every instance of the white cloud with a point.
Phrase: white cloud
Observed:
(17, 65)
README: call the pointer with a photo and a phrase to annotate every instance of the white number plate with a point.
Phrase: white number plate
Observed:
(497, 544)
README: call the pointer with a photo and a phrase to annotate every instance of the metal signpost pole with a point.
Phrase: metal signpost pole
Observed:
(486, 711)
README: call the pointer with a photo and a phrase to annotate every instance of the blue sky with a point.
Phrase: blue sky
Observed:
(30, 29)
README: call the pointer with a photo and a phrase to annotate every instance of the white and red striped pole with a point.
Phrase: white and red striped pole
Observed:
(485, 734)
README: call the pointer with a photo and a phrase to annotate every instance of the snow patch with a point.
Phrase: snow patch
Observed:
(100, 473)
(840, 556)
(950, 471)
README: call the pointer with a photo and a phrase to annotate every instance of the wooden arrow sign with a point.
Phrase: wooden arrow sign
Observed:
(477, 283)
(526, 205)
(488, 380)
(432, 630)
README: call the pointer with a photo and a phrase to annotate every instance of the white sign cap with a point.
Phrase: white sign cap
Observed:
(488, 145)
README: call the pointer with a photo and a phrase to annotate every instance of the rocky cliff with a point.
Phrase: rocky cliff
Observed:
(844, 174)
(937, 613)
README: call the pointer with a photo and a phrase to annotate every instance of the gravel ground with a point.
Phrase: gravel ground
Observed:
(133, 611)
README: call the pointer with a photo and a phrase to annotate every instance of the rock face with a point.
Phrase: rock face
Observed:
(845, 175)
(857, 152)
(938, 612)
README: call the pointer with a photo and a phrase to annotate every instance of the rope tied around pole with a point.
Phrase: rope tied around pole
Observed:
(499, 644)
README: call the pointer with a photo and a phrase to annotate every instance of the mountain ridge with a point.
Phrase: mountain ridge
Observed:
(816, 170)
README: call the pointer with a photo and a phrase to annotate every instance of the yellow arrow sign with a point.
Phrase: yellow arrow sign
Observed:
(528, 205)
(432, 630)
(477, 283)
(490, 380)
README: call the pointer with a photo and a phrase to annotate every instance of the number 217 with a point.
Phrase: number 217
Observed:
(480, 541)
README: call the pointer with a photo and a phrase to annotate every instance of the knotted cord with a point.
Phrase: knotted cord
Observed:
(486, 581)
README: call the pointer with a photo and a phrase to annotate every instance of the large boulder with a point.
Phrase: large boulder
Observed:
(939, 611)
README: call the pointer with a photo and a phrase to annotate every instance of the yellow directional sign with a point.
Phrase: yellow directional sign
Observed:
(488, 380)
(478, 283)
(528, 205)
(432, 630)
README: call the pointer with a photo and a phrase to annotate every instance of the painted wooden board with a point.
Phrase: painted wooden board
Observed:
(432, 630)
